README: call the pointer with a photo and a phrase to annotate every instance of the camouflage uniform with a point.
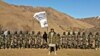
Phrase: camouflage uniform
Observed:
(33, 39)
(97, 40)
(19, 37)
(64, 40)
(91, 40)
(38, 40)
(52, 38)
(58, 41)
(23, 42)
(74, 40)
(79, 40)
(1, 40)
(14, 42)
(8, 40)
(27, 39)
(69, 40)
(84, 40)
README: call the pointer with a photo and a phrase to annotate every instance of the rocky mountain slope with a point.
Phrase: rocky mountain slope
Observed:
(13, 17)
(93, 21)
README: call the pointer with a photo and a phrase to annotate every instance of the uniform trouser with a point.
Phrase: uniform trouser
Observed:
(7, 45)
(90, 45)
(97, 44)
(14, 46)
(23, 45)
(64, 45)
(3, 45)
(26, 45)
(44, 45)
(29, 45)
(58, 46)
(0, 46)
(32, 45)
(38, 45)
(84, 46)
(74, 44)
(52, 48)
(19, 45)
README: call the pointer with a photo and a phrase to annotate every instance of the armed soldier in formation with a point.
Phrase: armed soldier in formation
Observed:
(26, 39)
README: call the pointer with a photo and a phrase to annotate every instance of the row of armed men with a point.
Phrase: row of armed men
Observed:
(77, 40)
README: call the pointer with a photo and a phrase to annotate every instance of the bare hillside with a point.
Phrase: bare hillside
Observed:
(14, 18)
(93, 21)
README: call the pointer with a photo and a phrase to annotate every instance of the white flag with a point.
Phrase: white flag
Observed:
(44, 23)
(41, 17)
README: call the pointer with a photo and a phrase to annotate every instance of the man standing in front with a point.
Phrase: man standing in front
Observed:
(52, 41)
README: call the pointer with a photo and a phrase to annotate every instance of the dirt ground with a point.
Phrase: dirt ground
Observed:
(44, 52)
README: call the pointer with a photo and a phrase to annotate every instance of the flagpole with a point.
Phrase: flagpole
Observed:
(47, 29)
